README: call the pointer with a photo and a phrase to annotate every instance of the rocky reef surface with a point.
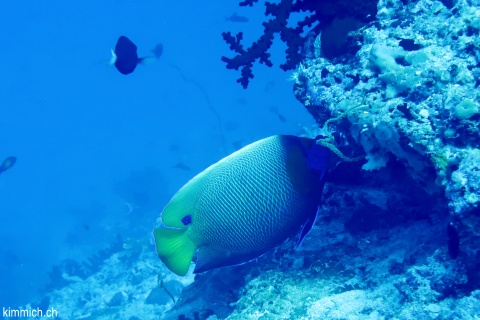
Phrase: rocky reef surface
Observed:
(407, 89)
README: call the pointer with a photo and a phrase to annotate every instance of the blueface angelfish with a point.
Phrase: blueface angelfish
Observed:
(244, 205)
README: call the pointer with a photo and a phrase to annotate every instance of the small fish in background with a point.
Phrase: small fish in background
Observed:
(242, 101)
(174, 147)
(275, 111)
(125, 57)
(236, 18)
(244, 205)
(232, 126)
(181, 166)
(237, 145)
(453, 241)
(269, 86)
(9, 259)
(158, 50)
(281, 118)
(7, 164)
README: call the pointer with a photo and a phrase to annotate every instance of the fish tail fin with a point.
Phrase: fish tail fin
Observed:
(147, 60)
(175, 249)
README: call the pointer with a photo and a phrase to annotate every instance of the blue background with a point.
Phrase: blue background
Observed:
(83, 133)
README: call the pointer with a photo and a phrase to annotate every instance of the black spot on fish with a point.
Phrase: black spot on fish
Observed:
(126, 55)
(453, 241)
(187, 220)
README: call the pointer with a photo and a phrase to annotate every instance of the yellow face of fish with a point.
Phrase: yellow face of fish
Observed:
(174, 246)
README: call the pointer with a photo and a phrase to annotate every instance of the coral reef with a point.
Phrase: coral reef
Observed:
(409, 93)
(129, 283)
(336, 18)
(70, 270)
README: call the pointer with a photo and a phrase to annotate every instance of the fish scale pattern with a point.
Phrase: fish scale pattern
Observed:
(249, 193)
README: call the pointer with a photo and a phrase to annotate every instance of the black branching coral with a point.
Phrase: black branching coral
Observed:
(320, 14)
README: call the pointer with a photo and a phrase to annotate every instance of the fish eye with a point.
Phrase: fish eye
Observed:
(187, 220)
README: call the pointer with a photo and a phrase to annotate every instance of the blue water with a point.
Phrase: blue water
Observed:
(91, 142)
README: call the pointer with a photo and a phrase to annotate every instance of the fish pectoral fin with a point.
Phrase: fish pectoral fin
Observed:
(175, 249)
(307, 226)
